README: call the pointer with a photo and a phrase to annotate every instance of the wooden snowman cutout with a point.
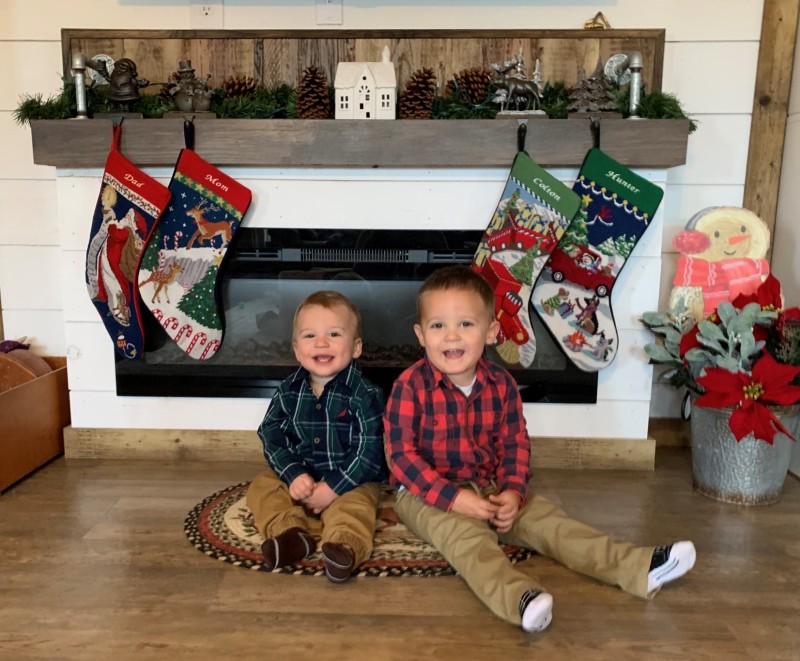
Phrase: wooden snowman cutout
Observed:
(723, 252)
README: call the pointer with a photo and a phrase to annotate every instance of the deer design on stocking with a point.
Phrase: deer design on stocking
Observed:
(161, 280)
(207, 230)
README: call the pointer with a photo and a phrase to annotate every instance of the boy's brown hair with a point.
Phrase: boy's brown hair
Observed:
(329, 299)
(457, 277)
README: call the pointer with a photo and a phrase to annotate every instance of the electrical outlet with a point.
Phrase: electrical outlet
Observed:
(206, 15)
(329, 12)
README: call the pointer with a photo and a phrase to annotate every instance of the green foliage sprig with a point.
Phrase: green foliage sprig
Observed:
(554, 100)
(278, 102)
(654, 105)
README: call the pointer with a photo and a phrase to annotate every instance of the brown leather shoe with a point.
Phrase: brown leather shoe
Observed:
(339, 561)
(289, 547)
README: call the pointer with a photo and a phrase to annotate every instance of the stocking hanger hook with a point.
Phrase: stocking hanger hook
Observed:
(594, 127)
(188, 132)
(522, 132)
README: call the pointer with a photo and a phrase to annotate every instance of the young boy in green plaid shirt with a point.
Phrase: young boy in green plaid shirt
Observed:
(323, 441)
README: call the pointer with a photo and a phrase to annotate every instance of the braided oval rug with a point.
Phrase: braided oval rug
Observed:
(221, 527)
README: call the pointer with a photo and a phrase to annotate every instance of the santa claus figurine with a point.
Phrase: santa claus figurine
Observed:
(723, 253)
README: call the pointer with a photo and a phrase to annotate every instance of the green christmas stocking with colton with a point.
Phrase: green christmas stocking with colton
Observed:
(181, 264)
(573, 293)
(128, 206)
(532, 215)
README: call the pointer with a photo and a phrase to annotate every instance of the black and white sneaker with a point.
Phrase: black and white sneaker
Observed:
(670, 563)
(536, 609)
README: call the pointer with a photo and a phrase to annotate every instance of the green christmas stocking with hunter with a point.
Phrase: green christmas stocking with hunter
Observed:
(532, 215)
(181, 263)
(572, 295)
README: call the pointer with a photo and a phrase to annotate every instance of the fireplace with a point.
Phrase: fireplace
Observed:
(267, 272)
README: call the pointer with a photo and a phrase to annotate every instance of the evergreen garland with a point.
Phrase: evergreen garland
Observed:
(280, 102)
(655, 105)
(554, 100)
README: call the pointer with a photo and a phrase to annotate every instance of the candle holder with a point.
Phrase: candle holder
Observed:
(79, 78)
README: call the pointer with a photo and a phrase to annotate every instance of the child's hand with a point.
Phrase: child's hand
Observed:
(469, 503)
(322, 496)
(301, 487)
(507, 508)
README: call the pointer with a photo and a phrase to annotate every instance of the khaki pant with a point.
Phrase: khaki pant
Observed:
(470, 545)
(349, 519)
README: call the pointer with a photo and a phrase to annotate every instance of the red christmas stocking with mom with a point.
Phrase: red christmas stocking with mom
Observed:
(178, 276)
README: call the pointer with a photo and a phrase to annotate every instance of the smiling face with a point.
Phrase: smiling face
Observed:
(325, 340)
(454, 327)
(733, 233)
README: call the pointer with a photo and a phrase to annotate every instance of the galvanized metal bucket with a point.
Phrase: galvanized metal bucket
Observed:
(748, 472)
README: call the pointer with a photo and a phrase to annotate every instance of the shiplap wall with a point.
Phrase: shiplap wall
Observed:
(710, 63)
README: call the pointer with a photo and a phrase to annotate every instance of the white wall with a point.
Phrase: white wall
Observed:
(786, 249)
(710, 63)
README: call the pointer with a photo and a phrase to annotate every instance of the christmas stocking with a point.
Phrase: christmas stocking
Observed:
(572, 294)
(128, 207)
(179, 270)
(534, 210)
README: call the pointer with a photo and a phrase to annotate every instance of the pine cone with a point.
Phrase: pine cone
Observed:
(313, 100)
(417, 101)
(472, 84)
(239, 85)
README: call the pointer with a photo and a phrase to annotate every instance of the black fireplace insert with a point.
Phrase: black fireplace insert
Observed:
(267, 272)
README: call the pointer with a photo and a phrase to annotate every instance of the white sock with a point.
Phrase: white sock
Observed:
(537, 610)
(679, 560)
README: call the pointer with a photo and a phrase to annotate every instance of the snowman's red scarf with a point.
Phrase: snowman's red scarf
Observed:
(721, 281)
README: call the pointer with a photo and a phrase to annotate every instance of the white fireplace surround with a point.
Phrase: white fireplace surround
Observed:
(351, 199)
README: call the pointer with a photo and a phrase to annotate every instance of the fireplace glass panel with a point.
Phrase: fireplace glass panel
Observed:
(268, 272)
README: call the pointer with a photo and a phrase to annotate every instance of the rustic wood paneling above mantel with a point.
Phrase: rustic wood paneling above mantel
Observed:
(361, 143)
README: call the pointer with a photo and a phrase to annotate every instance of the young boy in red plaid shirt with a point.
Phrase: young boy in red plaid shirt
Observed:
(459, 453)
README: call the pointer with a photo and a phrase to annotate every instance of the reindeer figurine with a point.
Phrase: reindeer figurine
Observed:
(516, 88)
(207, 230)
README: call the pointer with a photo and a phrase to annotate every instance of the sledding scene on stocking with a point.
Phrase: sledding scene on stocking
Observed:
(573, 293)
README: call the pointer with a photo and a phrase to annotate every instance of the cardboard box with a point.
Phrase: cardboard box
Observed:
(32, 419)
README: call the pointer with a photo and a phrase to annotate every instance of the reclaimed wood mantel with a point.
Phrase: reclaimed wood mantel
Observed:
(362, 143)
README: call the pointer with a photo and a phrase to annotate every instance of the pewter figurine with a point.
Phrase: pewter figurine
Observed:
(189, 94)
(123, 80)
(515, 88)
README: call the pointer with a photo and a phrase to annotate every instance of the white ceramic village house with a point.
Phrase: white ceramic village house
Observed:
(366, 90)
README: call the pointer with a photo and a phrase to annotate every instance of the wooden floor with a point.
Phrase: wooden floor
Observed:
(94, 564)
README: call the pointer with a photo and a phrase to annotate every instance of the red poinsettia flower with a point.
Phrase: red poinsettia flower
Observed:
(752, 396)
(768, 295)
(689, 341)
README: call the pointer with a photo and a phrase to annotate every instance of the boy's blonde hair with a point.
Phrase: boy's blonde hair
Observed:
(328, 299)
(457, 277)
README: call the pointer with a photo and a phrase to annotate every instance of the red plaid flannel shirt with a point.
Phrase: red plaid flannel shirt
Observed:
(436, 438)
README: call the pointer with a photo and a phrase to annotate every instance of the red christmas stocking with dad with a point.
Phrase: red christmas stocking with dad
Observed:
(178, 276)
(128, 206)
